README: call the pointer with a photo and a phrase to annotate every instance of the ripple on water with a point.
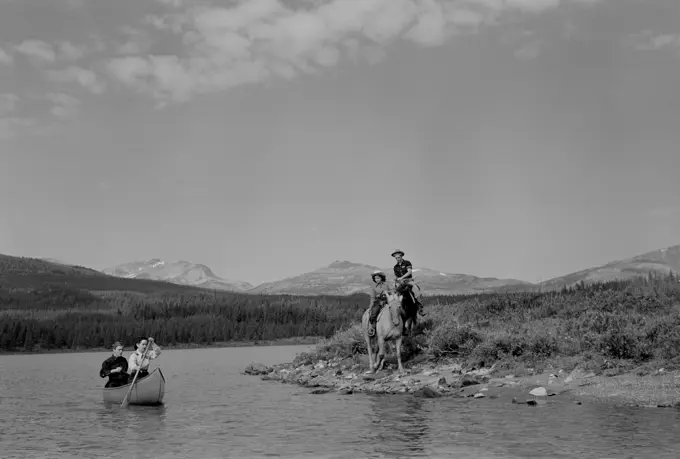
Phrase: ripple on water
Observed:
(51, 408)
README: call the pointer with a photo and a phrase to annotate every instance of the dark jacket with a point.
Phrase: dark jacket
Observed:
(112, 363)
(402, 268)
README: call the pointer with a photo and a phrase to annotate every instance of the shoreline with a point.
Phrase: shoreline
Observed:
(298, 341)
(427, 379)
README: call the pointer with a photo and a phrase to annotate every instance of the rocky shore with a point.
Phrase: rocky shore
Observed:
(424, 378)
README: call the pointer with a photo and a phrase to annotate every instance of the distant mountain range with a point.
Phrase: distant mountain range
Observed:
(663, 261)
(177, 272)
(346, 277)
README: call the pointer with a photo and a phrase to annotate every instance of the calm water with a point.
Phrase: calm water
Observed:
(50, 407)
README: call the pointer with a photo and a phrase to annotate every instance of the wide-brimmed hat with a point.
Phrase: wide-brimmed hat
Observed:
(380, 274)
(398, 251)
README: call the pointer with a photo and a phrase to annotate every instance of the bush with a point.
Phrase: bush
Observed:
(630, 322)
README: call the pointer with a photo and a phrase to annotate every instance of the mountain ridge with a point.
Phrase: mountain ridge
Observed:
(344, 277)
(180, 272)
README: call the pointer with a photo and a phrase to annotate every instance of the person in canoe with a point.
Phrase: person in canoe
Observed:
(115, 367)
(135, 362)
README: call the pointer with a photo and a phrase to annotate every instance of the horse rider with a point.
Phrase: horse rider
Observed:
(403, 271)
(378, 298)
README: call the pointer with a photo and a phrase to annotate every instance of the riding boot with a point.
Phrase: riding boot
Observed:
(371, 328)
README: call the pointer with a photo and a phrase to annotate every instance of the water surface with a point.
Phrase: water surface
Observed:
(50, 407)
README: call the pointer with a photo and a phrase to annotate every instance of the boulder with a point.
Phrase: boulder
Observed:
(539, 392)
(426, 392)
(258, 369)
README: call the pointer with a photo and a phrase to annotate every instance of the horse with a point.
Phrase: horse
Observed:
(409, 309)
(390, 326)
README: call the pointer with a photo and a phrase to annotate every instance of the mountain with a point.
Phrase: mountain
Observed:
(25, 273)
(663, 261)
(177, 272)
(345, 277)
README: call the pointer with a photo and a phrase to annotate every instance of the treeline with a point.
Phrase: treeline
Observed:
(57, 317)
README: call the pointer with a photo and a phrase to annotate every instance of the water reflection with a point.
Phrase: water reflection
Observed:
(633, 427)
(134, 422)
(399, 425)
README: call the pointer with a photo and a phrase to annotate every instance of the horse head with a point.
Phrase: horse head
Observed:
(394, 297)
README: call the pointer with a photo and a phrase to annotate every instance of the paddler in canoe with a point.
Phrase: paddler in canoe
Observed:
(115, 367)
(135, 362)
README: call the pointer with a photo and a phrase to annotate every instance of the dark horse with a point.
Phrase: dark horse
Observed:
(409, 309)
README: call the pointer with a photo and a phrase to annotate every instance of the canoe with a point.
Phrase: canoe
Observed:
(148, 390)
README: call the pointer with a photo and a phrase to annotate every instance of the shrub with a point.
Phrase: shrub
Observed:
(630, 322)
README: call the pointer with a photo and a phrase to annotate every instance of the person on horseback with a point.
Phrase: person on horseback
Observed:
(378, 298)
(403, 271)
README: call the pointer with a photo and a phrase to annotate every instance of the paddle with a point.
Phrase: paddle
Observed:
(127, 395)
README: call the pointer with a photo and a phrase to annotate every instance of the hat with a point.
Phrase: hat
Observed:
(379, 273)
(398, 251)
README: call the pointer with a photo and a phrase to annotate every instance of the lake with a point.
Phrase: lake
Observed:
(50, 407)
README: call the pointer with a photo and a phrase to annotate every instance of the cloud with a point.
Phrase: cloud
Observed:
(255, 40)
(528, 51)
(172, 3)
(71, 52)
(65, 106)
(136, 41)
(648, 40)
(41, 53)
(38, 52)
(8, 103)
(73, 74)
(5, 57)
(14, 126)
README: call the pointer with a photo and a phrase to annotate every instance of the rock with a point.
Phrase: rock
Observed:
(471, 380)
(346, 391)
(480, 372)
(258, 369)
(319, 391)
(532, 402)
(429, 373)
(479, 395)
(539, 392)
(426, 392)
(514, 400)
(442, 381)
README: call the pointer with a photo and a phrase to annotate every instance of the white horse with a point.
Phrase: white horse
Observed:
(389, 327)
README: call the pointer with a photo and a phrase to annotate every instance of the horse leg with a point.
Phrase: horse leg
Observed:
(369, 347)
(398, 346)
(381, 352)
(407, 327)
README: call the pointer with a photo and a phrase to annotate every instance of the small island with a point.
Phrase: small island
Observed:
(616, 341)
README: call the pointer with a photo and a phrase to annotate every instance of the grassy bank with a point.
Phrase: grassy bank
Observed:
(627, 327)
(295, 341)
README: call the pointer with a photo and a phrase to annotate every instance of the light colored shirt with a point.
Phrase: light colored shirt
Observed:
(378, 290)
(135, 359)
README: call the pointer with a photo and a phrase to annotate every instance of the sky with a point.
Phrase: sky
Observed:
(520, 139)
